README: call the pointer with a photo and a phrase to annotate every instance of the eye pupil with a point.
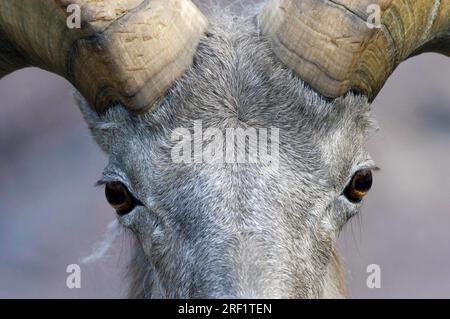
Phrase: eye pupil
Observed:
(115, 195)
(359, 186)
(363, 181)
(119, 198)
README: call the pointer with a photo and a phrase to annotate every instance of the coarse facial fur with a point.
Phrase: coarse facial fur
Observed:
(237, 230)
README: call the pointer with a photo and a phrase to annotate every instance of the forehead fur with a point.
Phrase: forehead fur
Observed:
(236, 81)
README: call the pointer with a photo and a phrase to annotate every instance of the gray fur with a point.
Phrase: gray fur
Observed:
(237, 230)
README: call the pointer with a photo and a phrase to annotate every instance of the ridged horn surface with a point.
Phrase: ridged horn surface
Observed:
(337, 45)
(127, 51)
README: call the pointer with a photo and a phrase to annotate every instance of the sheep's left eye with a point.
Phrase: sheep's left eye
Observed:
(119, 198)
(359, 186)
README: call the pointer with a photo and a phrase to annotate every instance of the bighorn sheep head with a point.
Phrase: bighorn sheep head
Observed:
(153, 71)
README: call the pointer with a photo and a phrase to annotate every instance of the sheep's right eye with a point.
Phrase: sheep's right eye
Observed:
(119, 198)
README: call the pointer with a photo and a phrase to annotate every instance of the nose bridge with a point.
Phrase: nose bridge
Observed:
(237, 243)
(252, 266)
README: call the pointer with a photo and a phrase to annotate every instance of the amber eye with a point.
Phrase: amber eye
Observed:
(359, 186)
(119, 198)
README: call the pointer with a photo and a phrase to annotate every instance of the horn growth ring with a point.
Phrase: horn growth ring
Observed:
(330, 45)
(127, 51)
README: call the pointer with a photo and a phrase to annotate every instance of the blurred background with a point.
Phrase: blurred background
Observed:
(51, 215)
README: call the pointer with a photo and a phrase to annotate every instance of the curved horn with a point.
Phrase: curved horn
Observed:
(330, 45)
(127, 51)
